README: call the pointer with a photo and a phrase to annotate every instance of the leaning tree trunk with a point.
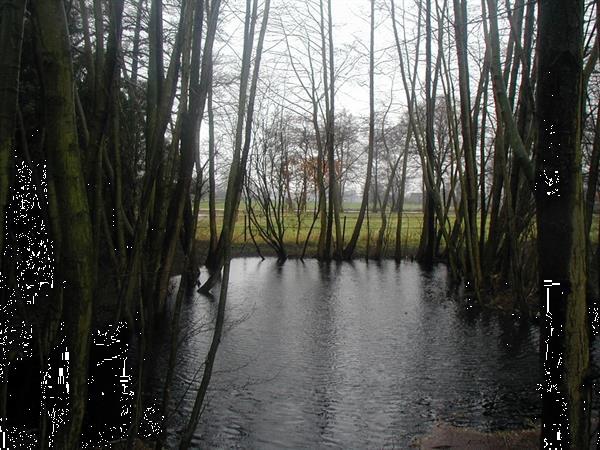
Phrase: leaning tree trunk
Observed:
(560, 220)
(76, 268)
(235, 178)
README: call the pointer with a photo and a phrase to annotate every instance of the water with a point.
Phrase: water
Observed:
(351, 355)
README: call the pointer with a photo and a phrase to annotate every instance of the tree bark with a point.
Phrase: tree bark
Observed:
(189, 142)
(12, 15)
(469, 188)
(76, 269)
(560, 221)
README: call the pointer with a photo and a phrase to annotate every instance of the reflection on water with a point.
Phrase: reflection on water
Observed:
(351, 355)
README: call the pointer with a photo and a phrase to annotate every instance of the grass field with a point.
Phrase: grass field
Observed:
(294, 240)
(412, 223)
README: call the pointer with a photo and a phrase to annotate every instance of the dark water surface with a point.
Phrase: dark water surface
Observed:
(351, 355)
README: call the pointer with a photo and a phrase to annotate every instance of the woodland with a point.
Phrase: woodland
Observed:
(145, 139)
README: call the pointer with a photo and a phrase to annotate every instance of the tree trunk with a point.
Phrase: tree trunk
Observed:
(12, 15)
(212, 210)
(333, 215)
(388, 190)
(469, 188)
(76, 269)
(240, 156)
(560, 221)
(349, 250)
(426, 245)
(158, 114)
(503, 106)
(189, 143)
(398, 248)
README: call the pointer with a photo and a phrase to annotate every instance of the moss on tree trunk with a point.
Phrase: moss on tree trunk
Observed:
(76, 267)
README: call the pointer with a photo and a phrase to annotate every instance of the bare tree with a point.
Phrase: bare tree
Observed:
(265, 185)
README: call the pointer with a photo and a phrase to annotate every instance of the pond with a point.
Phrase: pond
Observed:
(351, 355)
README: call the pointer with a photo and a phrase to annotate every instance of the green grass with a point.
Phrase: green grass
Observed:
(294, 241)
